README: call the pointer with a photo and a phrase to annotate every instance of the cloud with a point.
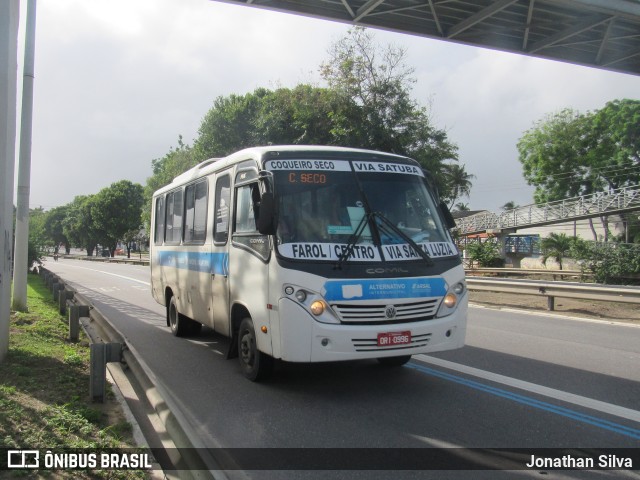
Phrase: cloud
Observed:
(117, 81)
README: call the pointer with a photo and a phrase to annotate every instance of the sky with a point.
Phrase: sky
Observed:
(118, 81)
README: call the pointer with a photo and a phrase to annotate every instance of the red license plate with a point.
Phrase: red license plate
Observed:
(392, 339)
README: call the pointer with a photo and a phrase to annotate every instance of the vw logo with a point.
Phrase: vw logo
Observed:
(390, 311)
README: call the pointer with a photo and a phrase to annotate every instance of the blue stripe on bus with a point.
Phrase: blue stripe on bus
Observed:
(384, 289)
(208, 262)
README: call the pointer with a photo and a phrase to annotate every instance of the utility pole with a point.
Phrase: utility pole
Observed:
(21, 252)
(9, 20)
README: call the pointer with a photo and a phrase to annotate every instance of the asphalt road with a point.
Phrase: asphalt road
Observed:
(524, 381)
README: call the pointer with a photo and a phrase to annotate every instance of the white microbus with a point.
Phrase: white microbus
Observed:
(309, 254)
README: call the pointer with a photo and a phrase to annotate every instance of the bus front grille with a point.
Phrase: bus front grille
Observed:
(363, 314)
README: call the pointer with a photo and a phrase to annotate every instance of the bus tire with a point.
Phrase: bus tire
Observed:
(194, 327)
(177, 322)
(394, 361)
(255, 365)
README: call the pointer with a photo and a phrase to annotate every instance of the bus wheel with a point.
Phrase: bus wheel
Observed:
(394, 361)
(255, 365)
(177, 322)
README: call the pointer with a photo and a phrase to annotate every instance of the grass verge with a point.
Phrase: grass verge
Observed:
(44, 392)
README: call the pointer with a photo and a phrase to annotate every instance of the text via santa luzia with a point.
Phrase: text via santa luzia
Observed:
(406, 252)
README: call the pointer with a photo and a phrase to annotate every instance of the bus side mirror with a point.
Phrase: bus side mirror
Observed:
(446, 214)
(267, 216)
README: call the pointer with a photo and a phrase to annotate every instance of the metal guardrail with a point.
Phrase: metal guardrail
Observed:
(178, 448)
(550, 290)
(129, 261)
(526, 271)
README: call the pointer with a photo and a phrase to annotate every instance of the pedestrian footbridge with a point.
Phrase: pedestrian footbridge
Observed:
(587, 206)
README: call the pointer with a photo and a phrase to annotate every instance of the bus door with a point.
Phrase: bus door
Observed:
(220, 254)
(249, 255)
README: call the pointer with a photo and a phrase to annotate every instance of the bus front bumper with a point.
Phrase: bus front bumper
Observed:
(303, 339)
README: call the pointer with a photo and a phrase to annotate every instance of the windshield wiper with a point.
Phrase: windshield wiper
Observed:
(353, 240)
(387, 224)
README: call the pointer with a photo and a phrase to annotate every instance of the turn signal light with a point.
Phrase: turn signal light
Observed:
(317, 307)
(450, 300)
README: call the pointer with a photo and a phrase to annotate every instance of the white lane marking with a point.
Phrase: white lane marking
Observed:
(556, 315)
(109, 273)
(618, 411)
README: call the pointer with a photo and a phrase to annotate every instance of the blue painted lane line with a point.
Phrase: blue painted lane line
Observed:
(532, 402)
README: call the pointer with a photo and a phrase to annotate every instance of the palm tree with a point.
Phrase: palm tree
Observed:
(458, 180)
(555, 246)
(461, 207)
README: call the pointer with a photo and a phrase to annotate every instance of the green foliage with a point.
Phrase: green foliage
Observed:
(610, 263)
(38, 238)
(44, 396)
(116, 210)
(34, 254)
(366, 104)
(556, 246)
(78, 225)
(613, 144)
(378, 112)
(457, 182)
(54, 226)
(552, 157)
(569, 154)
(102, 218)
(486, 254)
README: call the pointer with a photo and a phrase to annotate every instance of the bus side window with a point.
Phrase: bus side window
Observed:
(195, 219)
(222, 198)
(174, 217)
(245, 214)
(158, 234)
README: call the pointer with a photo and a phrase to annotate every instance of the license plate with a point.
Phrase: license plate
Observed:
(392, 339)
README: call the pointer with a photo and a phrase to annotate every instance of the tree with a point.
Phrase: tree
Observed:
(553, 157)
(571, 154)
(612, 145)
(304, 115)
(367, 104)
(164, 170)
(610, 263)
(486, 254)
(510, 205)
(54, 227)
(458, 183)
(78, 226)
(378, 111)
(556, 246)
(613, 148)
(38, 238)
(116, 210)
(461, 207)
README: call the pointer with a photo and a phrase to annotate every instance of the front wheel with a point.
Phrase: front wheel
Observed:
(255, 365)
(394, 361)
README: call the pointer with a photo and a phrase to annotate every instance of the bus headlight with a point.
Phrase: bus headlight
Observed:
(312, 302)
(301, 296)
(451, 299)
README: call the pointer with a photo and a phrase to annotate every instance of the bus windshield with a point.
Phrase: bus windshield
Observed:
(359, 211)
